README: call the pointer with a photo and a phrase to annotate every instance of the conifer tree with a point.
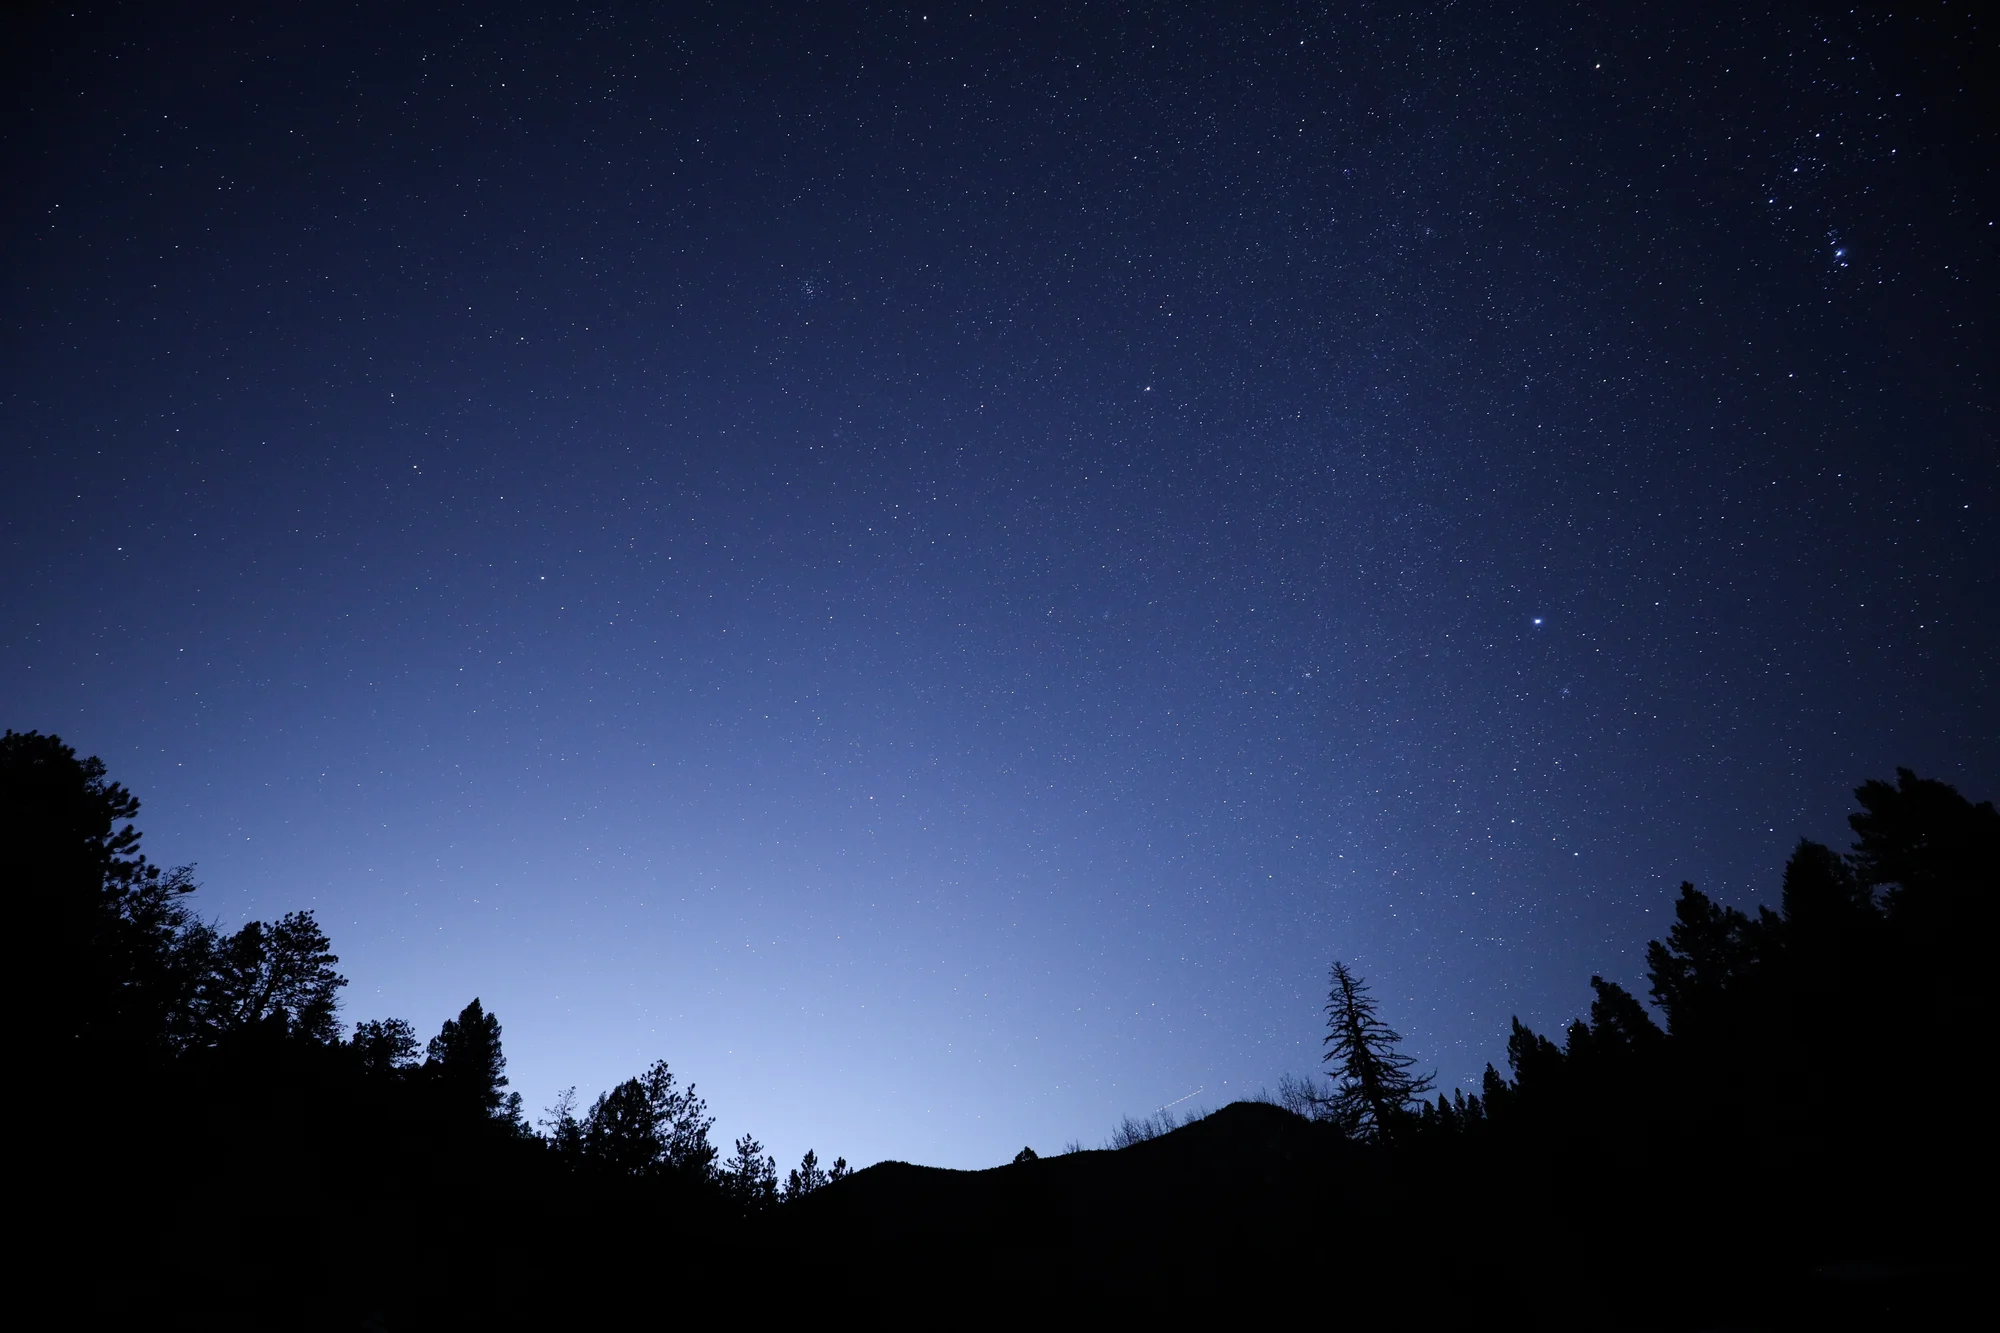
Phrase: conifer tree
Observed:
(1618, 1021)
(807, 1177)
(1375, 1086)
(109, 949)
(1711, 952)
(750, 1176)
(1536, 1062)
(278, 974)
(466, 1061)
(1822, 896)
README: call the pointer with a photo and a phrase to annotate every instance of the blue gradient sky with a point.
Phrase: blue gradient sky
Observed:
(934, 571)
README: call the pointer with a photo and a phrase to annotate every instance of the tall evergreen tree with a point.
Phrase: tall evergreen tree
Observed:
(106, 945)
(1935, 855)
(1536, 1062)
(1619, 1024)
(1934, 858)
(466, 1062)
(1711, 952)
(809, 1175)
(1374, 1086)
(750, 1176)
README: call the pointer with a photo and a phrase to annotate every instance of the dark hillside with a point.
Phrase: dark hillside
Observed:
(1254, 1207)
(1247, 1203)
(1228, 1169)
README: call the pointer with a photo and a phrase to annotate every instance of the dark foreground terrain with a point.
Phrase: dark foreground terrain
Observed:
(1253, 1210)
(1779, 1140)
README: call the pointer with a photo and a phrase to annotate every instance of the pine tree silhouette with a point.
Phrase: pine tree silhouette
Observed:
(807, 1177)
(466, 1061)
(750, 1177)
(1375, 1086)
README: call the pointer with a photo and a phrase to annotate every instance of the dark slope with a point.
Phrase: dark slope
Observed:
(1256, 1209)
(1241, 1202)
(1229, 1169)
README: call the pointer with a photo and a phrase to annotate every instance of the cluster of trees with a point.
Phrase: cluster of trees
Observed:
(1869, 962)
(1786, 1099)
(649, 1127)
(138, 985)
(123, 960)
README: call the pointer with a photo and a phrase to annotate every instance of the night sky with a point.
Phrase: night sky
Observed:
(934, 569)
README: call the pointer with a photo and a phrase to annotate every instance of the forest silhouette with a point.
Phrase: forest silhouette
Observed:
(1785, 1145)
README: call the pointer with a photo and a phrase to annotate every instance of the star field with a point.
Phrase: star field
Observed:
(934, 569)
